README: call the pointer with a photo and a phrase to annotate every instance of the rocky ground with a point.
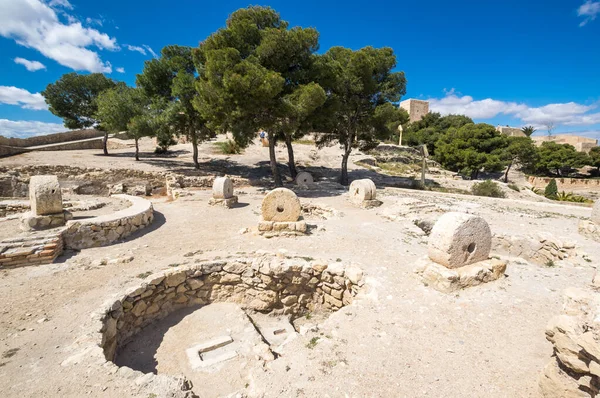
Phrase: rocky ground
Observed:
(400, 339)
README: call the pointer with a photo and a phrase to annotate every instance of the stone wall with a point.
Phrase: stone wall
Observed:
(541, 249)
(51, 138)
(107, 229)
(567, 184)
(10, 207)
(30, 250)
(176, 182)
(262, 282)
(574, 370)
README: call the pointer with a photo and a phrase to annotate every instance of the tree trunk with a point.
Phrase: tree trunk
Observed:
(273, 161)
(474, 175)
(194, 148)
(105, 143)
(137, 150)
(506, 174)
(345, 156)
(291, 161)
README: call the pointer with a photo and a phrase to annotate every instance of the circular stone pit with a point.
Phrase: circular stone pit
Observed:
(262, 282)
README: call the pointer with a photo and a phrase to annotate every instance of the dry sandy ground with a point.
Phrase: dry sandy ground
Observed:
(405, 339)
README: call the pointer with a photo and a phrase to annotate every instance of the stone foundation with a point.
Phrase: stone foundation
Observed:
(228, 202)
(368, 204)
(282, 228)
(448, 280)
(31, 250)
(589, 230)
(31, 222)
(574, 370)
(540, 249)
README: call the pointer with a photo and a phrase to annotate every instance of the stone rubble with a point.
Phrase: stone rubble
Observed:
(542, 249)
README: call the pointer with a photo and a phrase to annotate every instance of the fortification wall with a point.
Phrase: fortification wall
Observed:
(51, 138)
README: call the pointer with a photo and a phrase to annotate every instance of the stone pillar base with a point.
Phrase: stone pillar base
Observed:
(228, 202)
(31, 222)
(448, 280)
(282, 228)
(367, 204)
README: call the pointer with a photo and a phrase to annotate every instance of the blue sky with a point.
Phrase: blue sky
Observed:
(501, 62)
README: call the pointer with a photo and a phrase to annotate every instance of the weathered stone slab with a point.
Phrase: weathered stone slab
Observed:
(44, 195)
(448, 280)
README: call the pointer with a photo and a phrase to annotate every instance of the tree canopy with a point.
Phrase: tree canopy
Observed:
(361, 88)
(250, 74)
(472, 148)
(519, 150)
(430, 128)
(557, 159)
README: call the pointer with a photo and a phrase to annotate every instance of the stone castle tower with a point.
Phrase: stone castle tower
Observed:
(416, 109)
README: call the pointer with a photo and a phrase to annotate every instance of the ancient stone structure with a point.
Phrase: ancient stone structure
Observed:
(259, 281)
(223, 192)
(45, 200)
(41, 248)
(416, 109)
(574, 370)
(591, 228)
(581, 144)
(363, 193)
(510, 131)
(459, 254)
(542, 249)
(304, 180)
(107, 229)
(281, 211)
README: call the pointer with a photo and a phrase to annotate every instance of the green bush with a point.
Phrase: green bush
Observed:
(551, 191)
(487, 188)
(229, 147)
(570, 197)
(514, 187)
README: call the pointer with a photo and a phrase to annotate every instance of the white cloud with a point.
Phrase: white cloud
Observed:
(26, 128)
(17, 96)
(567, 114)
(147, 47)
(120, 70)
(93, 21)
(34, 24)
(31, 66)
(589, 11)
(135, 48)
(61, 3)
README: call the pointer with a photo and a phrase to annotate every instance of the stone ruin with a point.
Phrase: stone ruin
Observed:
(305, 180)
(45, 199)
(591, 228)
(542, 248)
(574, 370)
(459, 254)
(223, 193)
(281, 211)
(363, 193)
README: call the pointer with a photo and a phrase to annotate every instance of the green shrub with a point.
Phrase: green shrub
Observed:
(570, 197)
(514, 187)
(551, 191)
(229, 147)
(487, 188)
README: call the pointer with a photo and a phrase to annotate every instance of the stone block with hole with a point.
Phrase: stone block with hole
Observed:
(281, 211)
(45, 199)
(459, 254)
(305, 180)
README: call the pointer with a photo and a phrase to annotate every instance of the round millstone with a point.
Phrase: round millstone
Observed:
(281, 204)
(304, 178)
(361, 190)
(459, 239)
(222, 188)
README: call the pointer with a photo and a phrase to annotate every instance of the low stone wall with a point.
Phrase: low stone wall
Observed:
(567, 184)
(39, 249)
(541, 249)
(263, 282)
(574, 371)
(175, 182)
(10, 207)
(107, 229)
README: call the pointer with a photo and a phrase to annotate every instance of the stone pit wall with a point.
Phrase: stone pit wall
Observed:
(574, 369)
(540, 249)
(10, 207)
(22, 251)
(176, 182)
(263, 282)
(109, 228)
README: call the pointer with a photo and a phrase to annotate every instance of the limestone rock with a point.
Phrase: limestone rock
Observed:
(448, 280)
(459, 239)
(45, 195)
(281, 204)
(596, 213)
